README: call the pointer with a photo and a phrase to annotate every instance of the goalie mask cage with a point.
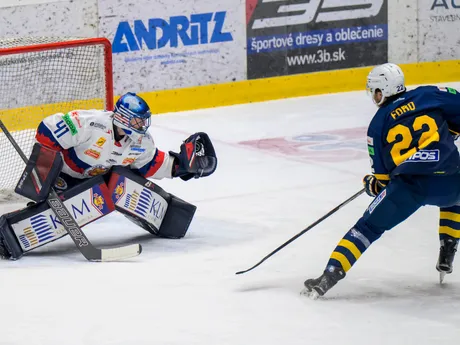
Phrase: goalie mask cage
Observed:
(41, 76)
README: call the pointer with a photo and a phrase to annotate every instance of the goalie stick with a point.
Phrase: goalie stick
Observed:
(82, 242)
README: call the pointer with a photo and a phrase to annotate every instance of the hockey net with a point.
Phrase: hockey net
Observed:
(41, 76)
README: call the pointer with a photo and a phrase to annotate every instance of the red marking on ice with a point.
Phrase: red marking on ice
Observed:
(330, 146)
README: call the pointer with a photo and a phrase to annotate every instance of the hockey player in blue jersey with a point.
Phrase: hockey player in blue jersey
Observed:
(414, 163)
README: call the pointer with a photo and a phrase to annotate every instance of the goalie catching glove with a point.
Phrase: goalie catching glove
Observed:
(197, 158)
(372, 185)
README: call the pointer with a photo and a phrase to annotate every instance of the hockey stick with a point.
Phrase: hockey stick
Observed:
(82, 242)
(331, 212)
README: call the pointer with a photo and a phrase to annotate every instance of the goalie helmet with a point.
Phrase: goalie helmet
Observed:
(388, 79)
(132, 114)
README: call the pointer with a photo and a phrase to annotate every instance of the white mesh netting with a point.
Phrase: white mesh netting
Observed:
(41, 82)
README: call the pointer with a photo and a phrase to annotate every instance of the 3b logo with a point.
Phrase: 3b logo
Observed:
(285, 12)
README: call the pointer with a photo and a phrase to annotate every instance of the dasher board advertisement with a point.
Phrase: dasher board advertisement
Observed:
(302, 36)
(439, 34)
(170, 44)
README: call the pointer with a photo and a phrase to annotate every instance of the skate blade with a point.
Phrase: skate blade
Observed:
(313, 295)
(441, 277)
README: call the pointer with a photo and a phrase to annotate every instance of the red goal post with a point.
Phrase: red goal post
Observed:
(40, 76)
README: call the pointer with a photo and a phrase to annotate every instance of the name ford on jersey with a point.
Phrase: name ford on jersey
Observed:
(156, 33)
(424, 156)
(283, 14)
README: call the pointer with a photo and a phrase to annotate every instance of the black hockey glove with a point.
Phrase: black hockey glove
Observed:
(197, 158)
(372, 185)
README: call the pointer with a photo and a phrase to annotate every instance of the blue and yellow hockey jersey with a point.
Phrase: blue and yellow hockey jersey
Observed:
(413, 134)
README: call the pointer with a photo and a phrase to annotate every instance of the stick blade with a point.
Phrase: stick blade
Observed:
(119, 253)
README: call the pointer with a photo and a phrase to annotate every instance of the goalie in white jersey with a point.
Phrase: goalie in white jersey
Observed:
(106, 158)
(92, 141)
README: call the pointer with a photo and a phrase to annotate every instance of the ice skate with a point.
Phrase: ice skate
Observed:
(315, 288)
(446, 257)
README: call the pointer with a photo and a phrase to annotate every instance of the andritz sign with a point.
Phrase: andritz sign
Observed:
(157, 33)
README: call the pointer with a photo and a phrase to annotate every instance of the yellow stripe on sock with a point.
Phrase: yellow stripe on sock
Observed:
(342, 259)
(447, 230)
(351, 247)
(455, 217)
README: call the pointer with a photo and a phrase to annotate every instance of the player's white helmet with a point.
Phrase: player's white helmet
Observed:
(388, 79)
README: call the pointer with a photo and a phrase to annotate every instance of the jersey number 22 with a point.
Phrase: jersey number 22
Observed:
(429, 135)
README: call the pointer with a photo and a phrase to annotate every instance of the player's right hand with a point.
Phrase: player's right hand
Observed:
(372, 185)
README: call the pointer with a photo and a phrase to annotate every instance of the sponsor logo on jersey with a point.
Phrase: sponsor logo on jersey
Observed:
(447, 89)
(115, 153)
(137, 148)
(93, 153)
(101, 141)
(95, 171)
(377, 201)
(371, 150)
(128, 161)
(74, 114)
(69, 122)
(97, 125)
(424, 156)
(370, 141)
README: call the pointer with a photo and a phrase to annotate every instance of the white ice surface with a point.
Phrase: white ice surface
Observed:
(185, 292)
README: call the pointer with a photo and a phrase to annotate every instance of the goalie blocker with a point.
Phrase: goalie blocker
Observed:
(140, 200)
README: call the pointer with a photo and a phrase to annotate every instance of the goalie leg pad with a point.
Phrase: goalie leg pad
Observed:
(146, 204)
(177, 218)
(34, 226)
(9, 246)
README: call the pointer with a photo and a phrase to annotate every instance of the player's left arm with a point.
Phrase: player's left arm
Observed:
(153, 163)
(375, 182)
(196, 159)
